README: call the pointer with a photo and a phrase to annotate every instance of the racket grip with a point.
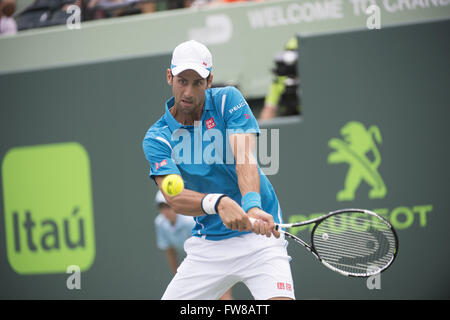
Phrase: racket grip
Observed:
(252, 220)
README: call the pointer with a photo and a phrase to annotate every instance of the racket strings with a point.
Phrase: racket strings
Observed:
(355, 245)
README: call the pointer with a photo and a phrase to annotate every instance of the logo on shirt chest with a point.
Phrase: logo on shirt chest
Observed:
(210, 123)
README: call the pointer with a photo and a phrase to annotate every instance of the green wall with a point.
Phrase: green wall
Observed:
(106, 108)
(395, 79)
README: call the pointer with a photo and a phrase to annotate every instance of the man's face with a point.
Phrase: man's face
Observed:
(168, 212)
(188, 88)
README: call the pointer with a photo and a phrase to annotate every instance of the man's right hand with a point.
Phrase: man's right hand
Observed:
(264, 223)
(232, 215)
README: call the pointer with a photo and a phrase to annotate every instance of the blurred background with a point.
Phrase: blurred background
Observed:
(82, 81)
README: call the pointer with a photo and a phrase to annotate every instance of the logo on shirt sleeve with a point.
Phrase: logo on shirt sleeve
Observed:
(160, 164)
(237, 107)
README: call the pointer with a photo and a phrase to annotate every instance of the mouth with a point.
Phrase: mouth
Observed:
(186, 102)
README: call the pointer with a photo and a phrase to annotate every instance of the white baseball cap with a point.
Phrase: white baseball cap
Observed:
(160, 198)
(191, 55)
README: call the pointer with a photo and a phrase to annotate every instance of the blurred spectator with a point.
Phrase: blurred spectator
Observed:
(147, 7)
(44, 13)
(172, 230)
(200, 3)
(283, 97)
(98, 9)
(177, 4)
(7, 23)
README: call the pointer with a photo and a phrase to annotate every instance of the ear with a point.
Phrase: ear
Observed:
(210, 80)
(169, 77)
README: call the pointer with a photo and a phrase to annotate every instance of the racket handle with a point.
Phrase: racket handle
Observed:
(252, 220)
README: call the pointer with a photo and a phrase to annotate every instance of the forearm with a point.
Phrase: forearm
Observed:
(188, 202)
(243, 146)
(248, 178)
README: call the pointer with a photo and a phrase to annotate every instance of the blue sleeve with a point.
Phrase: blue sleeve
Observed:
(159, 155)
(237, 113)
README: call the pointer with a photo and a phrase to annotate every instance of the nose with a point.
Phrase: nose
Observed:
(188, 91)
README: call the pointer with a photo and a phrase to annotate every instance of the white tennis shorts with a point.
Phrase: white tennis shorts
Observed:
(212, 267)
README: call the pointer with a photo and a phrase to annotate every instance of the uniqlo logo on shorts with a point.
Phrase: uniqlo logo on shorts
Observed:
(284, 286)
(210, 123)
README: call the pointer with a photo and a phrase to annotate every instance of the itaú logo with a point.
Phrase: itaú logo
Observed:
(48, 208)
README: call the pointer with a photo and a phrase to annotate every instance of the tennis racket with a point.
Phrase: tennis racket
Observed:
(352, 242)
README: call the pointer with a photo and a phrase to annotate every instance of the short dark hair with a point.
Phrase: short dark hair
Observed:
(7, 8)
(163, 205)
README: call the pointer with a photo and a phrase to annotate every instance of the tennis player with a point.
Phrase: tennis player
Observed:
(203, 128)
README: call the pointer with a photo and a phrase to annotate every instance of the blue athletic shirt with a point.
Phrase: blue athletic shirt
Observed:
(203, 157)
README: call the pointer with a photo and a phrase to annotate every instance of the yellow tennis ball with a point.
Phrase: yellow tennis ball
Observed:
(172, 184)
